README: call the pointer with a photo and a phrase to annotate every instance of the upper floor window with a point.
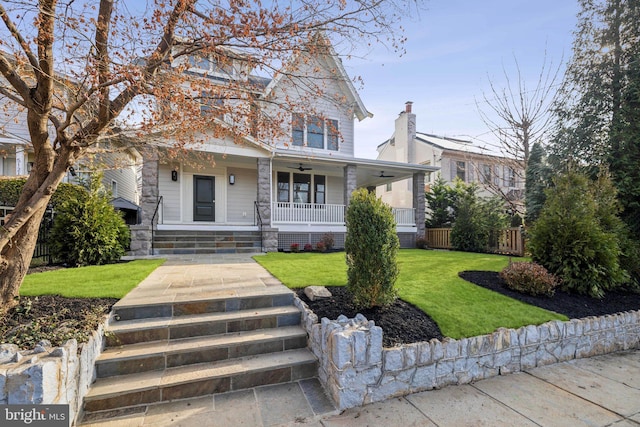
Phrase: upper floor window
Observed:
(510, 177)
(314, 132)
(487, 173)
(215, 66)
(211, 105)
(460, 170)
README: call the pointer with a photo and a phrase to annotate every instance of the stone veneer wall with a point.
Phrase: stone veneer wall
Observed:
(46, 375)
(356, 369)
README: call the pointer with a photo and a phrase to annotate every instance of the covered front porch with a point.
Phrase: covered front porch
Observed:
(283, 198)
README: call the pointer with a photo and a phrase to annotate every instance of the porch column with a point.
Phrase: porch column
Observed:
(263, 198)
(141, 234)
(350, 182)
(21, 161)
(419, 202)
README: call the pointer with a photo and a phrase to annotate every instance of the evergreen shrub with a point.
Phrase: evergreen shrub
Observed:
(371, 247)
(87, 230)
(573, 238)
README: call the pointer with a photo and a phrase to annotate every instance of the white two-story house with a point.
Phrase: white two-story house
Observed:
(268, 192)
(454, 158)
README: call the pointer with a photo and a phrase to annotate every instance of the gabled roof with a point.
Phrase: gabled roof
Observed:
(334, 62)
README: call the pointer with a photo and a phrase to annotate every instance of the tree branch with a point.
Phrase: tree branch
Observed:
(16, 34)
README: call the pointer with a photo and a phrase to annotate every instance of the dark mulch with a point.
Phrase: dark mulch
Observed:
(51, 317)
(571, 305)
(401, 322)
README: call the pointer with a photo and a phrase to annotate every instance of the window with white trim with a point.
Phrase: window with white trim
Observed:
(487, 173)
(460, 170)
(314, 132)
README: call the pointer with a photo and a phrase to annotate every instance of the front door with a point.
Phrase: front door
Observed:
(204, 198)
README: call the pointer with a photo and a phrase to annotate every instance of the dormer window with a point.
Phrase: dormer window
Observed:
(314, 132)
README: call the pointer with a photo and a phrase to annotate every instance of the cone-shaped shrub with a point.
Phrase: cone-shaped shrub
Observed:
(371, 246)
(87, 230)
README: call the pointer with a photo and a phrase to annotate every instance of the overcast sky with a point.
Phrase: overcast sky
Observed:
(453, 48)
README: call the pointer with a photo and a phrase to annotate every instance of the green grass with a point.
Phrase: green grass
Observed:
(99, 281)
(429, 280)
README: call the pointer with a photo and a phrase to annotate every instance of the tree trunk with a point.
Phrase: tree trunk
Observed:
(15, 260)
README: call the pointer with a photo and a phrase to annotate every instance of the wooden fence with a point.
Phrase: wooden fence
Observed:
(508, 241)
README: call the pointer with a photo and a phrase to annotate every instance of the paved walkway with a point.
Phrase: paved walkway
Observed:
(601, 391)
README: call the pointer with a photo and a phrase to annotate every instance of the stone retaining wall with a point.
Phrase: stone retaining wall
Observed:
(356, 369)
(49, 375)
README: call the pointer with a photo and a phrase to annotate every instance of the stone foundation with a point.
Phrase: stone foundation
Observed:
(49, 375)
(357, 370)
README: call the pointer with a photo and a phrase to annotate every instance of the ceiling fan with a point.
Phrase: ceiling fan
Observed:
(382, 175)
(300, 168)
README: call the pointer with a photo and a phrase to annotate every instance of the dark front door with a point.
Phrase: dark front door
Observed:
(204, 198)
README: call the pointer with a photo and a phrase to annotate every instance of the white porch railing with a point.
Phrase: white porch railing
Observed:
(311, 213)
(404, 216)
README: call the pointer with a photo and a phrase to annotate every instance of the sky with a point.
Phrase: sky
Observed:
(454, 48)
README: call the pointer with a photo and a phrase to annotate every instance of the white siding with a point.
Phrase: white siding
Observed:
(241, 195)
(126, 181)
(170, 192)
(335, 190)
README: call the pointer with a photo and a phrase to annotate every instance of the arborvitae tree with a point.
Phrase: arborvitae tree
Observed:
(477, 221)
(87, 230)
(573, 239)
(440, 204)
(469, 233)
(538, 179)
(371, 246)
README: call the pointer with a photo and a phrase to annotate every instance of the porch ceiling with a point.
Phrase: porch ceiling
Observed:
(368, 171)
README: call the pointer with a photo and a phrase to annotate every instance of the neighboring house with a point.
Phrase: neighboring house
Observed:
(495, 175)
(121, 167)
(291, 189)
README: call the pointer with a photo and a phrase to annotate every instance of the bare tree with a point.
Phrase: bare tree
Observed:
(519, 116)
(80, 71)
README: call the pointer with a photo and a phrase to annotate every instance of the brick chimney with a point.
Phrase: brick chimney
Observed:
(407, 106)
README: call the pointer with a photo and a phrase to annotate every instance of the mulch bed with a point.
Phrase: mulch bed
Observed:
(573, 306)
(401, 322)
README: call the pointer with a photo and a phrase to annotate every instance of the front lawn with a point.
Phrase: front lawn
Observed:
(97, 281)
(429, 280)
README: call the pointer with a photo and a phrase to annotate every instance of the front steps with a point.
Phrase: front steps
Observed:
(184, 242)
(161, 351)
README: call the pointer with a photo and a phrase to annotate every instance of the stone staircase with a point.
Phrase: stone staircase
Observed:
(185, 242)
(162, 351)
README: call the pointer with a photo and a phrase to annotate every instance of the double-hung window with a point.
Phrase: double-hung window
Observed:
(487, 173)
(461, 170)
(510, 177)
(314, 132)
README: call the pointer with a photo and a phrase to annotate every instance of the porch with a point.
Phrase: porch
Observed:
(301, 223)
